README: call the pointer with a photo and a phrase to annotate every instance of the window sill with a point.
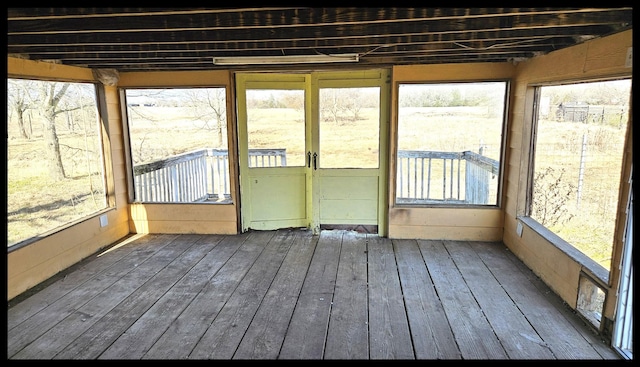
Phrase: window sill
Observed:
(591, 267)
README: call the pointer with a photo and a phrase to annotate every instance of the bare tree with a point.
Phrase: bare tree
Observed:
(208, 105)
(47, 98)
(18, 100)
(354, 100)
(331, 104)
(350, 101)
(50, 95)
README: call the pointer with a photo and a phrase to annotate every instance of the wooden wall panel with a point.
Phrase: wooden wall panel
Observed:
(554, 267)
(462, 217)
(172, 226)
(446, 223)
(452, 72)
(183, 212)
(33, 264)
(118, 156)
(175, 79)
(183, 218)
(598, 58)
(47, 71)
(445, 233)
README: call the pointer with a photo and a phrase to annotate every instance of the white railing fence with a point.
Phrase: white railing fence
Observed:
(422, 176)
(451, 177)
(201, 175)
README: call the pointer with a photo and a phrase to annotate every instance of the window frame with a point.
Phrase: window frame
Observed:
(106, 161)
(502, 153)
(130, 177)
(591, 267)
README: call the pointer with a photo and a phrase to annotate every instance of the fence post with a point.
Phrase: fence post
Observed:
(581, 173)
(175, 184)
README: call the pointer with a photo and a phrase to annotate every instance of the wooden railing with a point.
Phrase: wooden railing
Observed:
(422, 176)
(201, 175)
(267, 157)
(444, 177)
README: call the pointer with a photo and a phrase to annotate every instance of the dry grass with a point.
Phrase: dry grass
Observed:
(591, 228)
(449, 130)
(35, 203)
(345, 143)
(160, 132)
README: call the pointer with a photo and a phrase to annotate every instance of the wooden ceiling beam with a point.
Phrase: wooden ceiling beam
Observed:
(236, 25)
(405, 48)
(355, 38)
(25, 21)
(187, 38)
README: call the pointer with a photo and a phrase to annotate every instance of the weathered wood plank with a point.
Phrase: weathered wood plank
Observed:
(102, 320)
(600, 346)
(347, 337)
(291, 295)
(185, 332)
(473, 333)
(557, 332)
(389, 336)
(266, 332)
(73, 277)
(50, 316)
(140, 336)
(307, 331)
(431, 333)
(225, 332)
(517, 336)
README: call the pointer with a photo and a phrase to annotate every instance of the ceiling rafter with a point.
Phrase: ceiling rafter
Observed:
(188, 38)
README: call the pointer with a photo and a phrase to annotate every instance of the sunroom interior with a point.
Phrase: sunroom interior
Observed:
(339, 118)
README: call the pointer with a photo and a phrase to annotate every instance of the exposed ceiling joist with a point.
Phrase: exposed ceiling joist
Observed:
(140, 39)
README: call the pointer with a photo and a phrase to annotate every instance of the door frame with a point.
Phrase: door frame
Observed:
(357, 79)
(312, 83)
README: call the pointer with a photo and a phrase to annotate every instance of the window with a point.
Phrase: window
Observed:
(349, 112)
(55, 166)
(450, 143)
(178, 143)
(275, 128)
(578, 144)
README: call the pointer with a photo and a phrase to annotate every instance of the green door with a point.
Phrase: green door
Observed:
(313, 149)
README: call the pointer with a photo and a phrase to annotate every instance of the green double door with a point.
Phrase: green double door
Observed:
(312, 149)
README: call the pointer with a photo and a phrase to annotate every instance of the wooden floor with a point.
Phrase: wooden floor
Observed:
(287, 294)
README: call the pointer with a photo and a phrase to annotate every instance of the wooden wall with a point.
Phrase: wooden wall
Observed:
(29, 265)
(459, 223)
(599, 58)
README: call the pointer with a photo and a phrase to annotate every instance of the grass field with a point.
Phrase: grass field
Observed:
(596, 151)
(35, 203)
